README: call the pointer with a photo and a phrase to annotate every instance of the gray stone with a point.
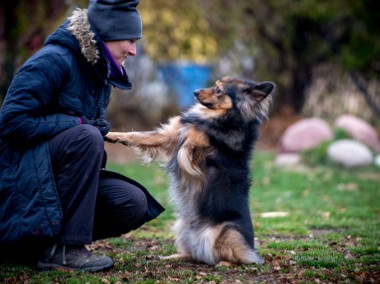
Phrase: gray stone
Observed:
(350, 153)
(377, 161)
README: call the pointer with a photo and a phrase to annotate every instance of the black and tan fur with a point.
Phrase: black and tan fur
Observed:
(207, 152)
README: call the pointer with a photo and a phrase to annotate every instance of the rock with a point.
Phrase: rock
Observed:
(360, 130)
(377, 161)
(349, 153)
(305, 134)
(287, 159)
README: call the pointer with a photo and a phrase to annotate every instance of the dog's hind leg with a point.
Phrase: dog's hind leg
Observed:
(232, 247)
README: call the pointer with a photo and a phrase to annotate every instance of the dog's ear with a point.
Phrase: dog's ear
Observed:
(262, 90)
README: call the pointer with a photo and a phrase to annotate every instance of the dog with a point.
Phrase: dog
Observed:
(207, 152)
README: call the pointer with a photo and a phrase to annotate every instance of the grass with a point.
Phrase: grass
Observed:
(330, 235)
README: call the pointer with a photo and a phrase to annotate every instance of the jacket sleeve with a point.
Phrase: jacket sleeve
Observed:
(27, 115)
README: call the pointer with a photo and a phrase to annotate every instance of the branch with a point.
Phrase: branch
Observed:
(368, 97)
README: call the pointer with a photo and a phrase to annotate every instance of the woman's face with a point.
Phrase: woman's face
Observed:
(121, 49)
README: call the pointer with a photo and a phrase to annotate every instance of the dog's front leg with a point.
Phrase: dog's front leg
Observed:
(165, 137)
(158, 138)
(131, 138)
(149, 145)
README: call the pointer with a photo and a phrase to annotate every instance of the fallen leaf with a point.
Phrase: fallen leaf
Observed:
(274, 214)
(349, 256)
(326, 214)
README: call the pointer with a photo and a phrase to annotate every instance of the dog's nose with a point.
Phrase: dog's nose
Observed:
(196, 92)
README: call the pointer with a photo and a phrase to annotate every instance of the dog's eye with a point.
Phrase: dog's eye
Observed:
(218, 91)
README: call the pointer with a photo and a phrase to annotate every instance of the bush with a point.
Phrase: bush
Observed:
(318, 156)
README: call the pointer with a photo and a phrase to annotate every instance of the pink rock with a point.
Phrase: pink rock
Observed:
(305, 134)
(360, 130)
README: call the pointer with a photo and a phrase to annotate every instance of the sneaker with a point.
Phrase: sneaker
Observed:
(73, 258)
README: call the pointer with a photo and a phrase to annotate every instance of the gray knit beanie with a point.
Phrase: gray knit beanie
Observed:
(115, 19)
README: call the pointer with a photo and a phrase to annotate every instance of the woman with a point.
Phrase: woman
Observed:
(54, 189)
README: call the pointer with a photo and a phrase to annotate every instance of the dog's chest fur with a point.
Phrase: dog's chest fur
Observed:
(210, 169)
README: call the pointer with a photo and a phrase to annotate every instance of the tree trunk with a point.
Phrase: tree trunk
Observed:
(368, 97)
(301, 79)
(24, 25)
(7, 45)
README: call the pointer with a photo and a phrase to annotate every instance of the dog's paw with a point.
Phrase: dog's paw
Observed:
(110, 139)
(224, 263)
(256, 258)
(115, 137)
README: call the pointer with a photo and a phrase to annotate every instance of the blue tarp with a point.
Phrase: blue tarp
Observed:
(183, 78)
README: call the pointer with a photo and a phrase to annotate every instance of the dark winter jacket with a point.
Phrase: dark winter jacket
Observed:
(66, 79)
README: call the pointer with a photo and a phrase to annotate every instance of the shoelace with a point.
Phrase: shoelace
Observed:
(64, 254)
(54, 248)
(52, 252)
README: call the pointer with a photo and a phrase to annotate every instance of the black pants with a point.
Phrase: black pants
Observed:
(94, 206)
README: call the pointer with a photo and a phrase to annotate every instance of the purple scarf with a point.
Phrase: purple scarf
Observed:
(115, 69)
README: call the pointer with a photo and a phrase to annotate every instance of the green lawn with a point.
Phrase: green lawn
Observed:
(330, 234)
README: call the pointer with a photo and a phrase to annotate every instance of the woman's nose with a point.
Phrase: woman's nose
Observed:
(132, 50)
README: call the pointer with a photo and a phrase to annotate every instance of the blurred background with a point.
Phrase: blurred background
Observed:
(324, 56)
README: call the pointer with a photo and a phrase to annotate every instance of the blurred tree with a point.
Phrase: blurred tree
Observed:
(287, 38)
(177, 31)
(295, 36)
(24, 25)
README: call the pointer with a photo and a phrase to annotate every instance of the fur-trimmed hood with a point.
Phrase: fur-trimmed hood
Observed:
(78, 29)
